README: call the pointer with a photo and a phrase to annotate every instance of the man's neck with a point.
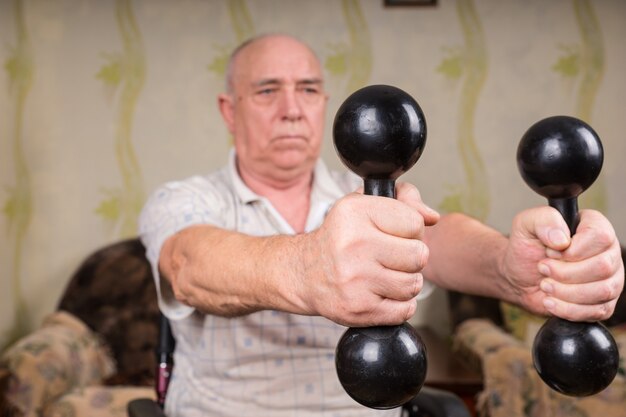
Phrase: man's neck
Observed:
(290, 198)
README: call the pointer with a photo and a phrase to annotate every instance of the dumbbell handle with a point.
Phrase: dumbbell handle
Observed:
(568, 207)
(379, 187)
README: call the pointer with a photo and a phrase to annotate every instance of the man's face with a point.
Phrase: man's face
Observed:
(278, 105)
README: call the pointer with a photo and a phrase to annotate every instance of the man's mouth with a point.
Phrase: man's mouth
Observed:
(290, 137)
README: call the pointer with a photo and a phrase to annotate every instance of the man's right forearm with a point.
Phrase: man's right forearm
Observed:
(228, 273)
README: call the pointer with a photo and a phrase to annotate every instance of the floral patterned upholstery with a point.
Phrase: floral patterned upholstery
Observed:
(97, 401)
(55, 371)
(512, 387)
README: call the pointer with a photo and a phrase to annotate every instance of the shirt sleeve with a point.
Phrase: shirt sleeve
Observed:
(170, 209)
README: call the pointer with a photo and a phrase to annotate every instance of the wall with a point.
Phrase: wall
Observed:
(101, 101)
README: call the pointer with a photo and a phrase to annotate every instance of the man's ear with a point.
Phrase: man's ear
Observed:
(226, 105)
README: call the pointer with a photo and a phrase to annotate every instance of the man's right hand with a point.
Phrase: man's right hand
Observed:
(362, 266)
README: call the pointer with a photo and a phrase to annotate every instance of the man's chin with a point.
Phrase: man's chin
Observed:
(293, 158)
(294, 162)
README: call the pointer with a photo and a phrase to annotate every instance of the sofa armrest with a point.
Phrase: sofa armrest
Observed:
(59, 356)
(474, 339)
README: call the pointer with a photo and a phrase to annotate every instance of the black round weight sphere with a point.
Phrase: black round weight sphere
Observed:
(381, 367)
(379, 133)
(560, 157)
(577, 359)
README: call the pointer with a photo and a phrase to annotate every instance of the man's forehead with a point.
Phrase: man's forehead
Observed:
(277, 45)
(278, 58)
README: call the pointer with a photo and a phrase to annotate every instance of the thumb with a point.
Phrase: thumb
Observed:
(545, 224)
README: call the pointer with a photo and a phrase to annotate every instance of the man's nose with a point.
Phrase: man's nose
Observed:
(290, 105)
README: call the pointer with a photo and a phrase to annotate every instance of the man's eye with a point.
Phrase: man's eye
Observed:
(265, 95)
(311, 94)
(266, 91)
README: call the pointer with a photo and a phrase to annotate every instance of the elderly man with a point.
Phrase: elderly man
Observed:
(261, 264)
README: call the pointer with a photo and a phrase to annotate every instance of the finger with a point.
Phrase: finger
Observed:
(410, 195)
(394, 217)
(578, 312)
(596, 268)
(544, 224)
(594, 235)
(400, 254)
(398, 286)
(377, 312)
(589, 293)
(393, 312)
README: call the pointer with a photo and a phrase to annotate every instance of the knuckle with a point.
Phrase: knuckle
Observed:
(598, 312)
(605, 265)
(422, 255)
(180, 288)
(419, 284)
(411, 291)
(416, 225)
(345, 273)
(595, 316)
(416, 256)
(410, 311)
(408, 189)
(346, 205)
(397, 314)
(179, 294)
(613, 289)
(601, 312)
(606, 292)
(350, 313)
(359, 307)
(604, 312)
(603, 238)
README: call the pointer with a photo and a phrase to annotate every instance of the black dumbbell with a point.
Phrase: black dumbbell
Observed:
(560, 157)
(379, 133)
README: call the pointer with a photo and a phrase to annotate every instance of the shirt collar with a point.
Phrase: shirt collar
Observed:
(325, 188)
(245, 194)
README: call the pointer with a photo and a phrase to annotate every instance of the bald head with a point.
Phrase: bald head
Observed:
(247, 52)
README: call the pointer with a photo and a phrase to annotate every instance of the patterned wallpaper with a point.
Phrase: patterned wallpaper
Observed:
(102, 101)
